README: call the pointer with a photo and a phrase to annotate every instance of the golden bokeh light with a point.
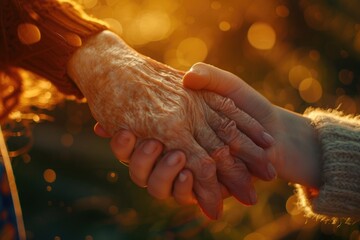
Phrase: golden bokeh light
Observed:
(216, 5)
(148, 27)
(191, 50)
(112, 176)
(282, 11)
(28, 33)
(290, 53)
(114, 25)
(291, 206)
(49, 175)
(346, 104)
(297, 74)
(88, 3)
(261, 36)
(67, 140)
(346, 76)
(224, 26)
(310, 90)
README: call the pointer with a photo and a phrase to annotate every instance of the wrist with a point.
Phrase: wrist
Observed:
(300, 151)
(91, 66)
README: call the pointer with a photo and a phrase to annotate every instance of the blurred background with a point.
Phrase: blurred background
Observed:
(297, 53)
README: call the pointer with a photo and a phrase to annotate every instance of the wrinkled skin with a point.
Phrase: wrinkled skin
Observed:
(126, 90)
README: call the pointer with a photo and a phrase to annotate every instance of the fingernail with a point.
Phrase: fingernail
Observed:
(173, 159)
(253, 196)
(150, 147)
(271, 171)
(182, 177)
(268, 138)
(198, 70)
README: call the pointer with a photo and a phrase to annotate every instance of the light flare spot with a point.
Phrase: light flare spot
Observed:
(28, 33)
(112, 176)
(291, 206)
(114, 25)
(224, 26)
(297, 74)
(89, 3)
(216, 5)
(310, 90)
(282, 11)
(49, 175)
(67, 140)
(191, 50)
(346, 76)
(261, 36)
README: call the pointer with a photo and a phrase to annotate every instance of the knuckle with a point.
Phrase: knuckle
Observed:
(227, 131)
(207, 170)
(243, 174)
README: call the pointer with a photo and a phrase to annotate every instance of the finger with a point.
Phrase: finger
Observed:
(163, 175)
(234, 175)
(122, 145)
(183, 188)
(245, 150)
(252, 128)
(241, 146)
(100, 131)
(143, 160)
(206, 186)
(204, 76)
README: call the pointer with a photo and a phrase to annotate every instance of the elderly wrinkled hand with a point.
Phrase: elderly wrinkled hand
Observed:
(126, 90)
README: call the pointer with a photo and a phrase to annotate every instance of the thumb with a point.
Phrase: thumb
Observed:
(206, 77)
(100, 131)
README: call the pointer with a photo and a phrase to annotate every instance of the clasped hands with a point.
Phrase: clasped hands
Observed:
(237, 147)
(218, 138)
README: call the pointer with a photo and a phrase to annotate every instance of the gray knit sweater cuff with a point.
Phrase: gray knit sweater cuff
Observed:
(339, 195)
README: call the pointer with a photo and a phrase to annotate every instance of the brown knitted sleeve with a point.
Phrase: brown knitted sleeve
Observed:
(40, 36)
(339, 195)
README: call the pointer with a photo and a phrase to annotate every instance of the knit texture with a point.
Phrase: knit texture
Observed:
(338, 198)
(40, 36)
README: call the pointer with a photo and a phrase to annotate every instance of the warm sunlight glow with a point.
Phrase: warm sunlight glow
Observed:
(148, 27)
(282, 11)
(297, 74)
(224, 26)
(310, 90)
(261, 36)
(191, 50)
(49, 175)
